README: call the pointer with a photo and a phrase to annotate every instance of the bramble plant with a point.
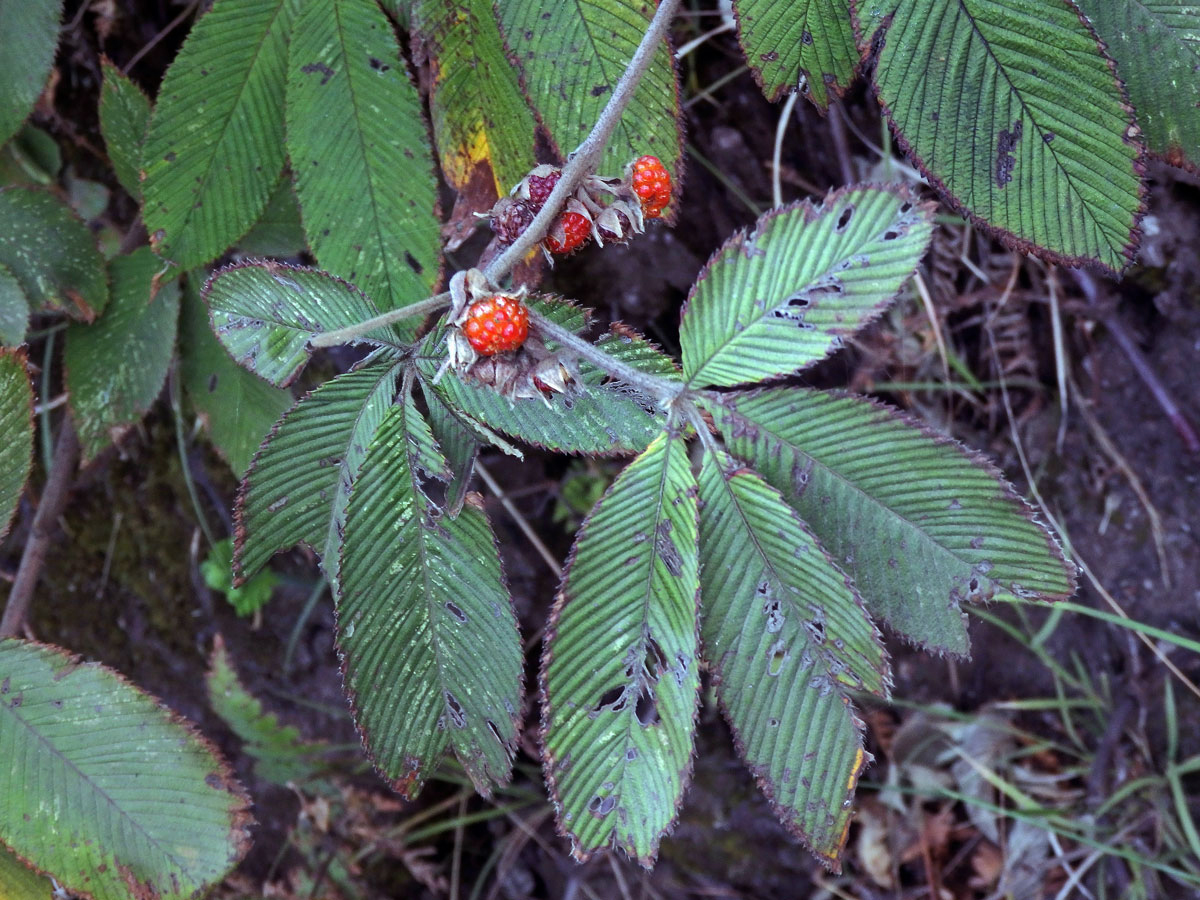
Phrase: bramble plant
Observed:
(762, 531)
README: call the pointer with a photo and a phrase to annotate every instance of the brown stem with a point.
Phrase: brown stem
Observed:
(54, 498)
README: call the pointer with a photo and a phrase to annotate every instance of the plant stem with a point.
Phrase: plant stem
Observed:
(583, 161)
(54, 498)
(359, 329)
(664, 389)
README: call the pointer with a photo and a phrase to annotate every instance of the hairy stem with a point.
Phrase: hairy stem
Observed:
(581, 163)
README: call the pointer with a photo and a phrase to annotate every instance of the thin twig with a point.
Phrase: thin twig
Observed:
(837, 128)
(153, 42)
(785, 116)
(54, 498)
(526, 529)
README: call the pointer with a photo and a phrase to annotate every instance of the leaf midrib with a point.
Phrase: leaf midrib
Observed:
(70, 763)
(762, 427)
(208, 166)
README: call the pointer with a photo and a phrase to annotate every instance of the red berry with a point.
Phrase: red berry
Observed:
(496, 324)
(652, 184)
(540, 186)
(570, 232)
(510, 218)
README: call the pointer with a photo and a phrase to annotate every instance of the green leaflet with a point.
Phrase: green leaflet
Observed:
(781, 297)
(138, 796)
(124, 114)
(278, 231)
(1041, 148)
(571, 57)
(921, 524)
(786, 636)
(605, 418)
(280, 753)
(619, 676)
(360, 154)
(238, 407)
(117, 365)
(480, 117)
(14, 309)
(458, 442)
(432, 657)
(807, 44)
(28, 36)
(214, 148)
(1157, 49)
(16, 433)
(51, 253)
(265, 314)
(296, 488)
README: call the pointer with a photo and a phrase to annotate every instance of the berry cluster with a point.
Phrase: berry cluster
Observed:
(652, 184)
(610, 210)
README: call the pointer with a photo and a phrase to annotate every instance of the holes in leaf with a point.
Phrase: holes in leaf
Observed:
(646, 709)
(891, 235)
(905, 207)
(776, 657)
(666, 549)
(601, 806)
(613, 699)
(816, 630)
(454, 610)
(656, 661)
(458, 716)
(844, 219)
(772, 608)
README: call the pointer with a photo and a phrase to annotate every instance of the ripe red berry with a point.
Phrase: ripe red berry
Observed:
(510, 218)
(570, 232)
(540, 186)
(652, 184)
(496, 324)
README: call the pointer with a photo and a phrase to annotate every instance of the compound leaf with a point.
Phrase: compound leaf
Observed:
(297, 486)
(806, 46)
(266, 313)
(360, 154)
(921, 523)
(1014, 114)
(431, 654)
(781, 296)
(14, 309)
(573, 54)
(481, 123)
(16, 432)
(620, 678)
(602, 417)
(214, 147)
(116, 366)
(786, 636)
(1157, 49)
(52, 253)
(30, 33)
(238, 407)
(124, 114)
(142, 805)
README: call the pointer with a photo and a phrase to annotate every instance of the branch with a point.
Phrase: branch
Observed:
(54, 498)
(581, 163)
